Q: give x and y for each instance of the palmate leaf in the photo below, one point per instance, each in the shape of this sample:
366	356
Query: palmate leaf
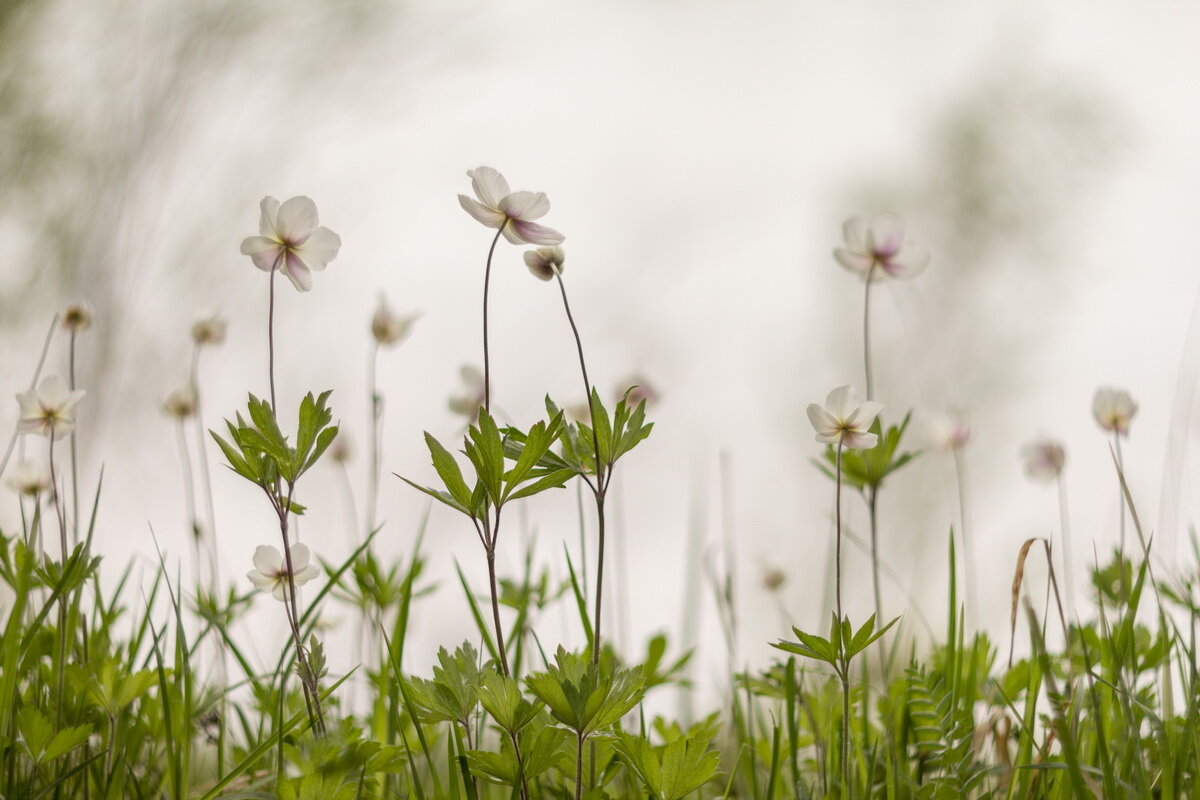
583	696
259	452
674	770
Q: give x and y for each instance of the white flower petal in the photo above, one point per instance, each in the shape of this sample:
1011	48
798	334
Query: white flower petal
841	402
307	574
321	248
301	555
525	205
61	428
489	186
53	392
854	233
30	408
488	216
263	251
267	559
821	421
280	591
909	262
269	210
856	262
886	235
260	581
532	232
867	413
297	220
297	272
859	441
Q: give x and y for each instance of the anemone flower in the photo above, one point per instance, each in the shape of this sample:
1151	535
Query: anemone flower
49	410
512	212
270	572
843	421
291	240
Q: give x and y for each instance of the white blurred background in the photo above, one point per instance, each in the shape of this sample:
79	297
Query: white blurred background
700	158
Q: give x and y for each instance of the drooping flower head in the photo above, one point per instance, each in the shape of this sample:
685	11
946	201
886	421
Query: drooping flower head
1113	409
29	478
512	212
948	431
471	399
49	410
388	327
291	240
545	262
843	421
270	570
77	317
341	451
1043	460
180	403
209	330
877	248
639	389
773	579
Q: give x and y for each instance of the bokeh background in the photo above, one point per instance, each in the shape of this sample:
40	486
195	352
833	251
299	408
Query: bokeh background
700	158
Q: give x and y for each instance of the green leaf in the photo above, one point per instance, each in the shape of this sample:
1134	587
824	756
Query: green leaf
448	470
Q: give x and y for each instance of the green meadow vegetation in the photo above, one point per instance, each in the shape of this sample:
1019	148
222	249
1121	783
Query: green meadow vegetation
111	688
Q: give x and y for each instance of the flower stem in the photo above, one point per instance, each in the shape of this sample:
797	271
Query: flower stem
58	509
960	477
1067	560
600	488
375	420
74	451
867	334
309	679
491	561
1121	497
843	665
487	362
271	335
189	498
205	476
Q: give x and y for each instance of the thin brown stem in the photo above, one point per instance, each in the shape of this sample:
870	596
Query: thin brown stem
491	561
843	662
487	361
867	334
374	435
271	334
205	476
74	449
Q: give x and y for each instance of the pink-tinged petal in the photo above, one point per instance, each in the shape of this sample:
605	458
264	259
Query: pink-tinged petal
531	232
488	216
263	251
525	205
886	235
856	262
854	233
297	220
321	248
297	272
909	262
860	441
829	438
841	401
267	559
489	186
30	425
269	211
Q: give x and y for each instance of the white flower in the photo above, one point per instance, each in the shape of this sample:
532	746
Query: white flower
77	318
878	245
545	262
467	404
843	421
270	572
50	409
181	402
208	329
30	478
1113	409
388	327
291	240
513	212
1044	459
948	432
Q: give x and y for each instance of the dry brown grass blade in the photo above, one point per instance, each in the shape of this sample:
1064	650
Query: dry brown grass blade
1019	578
